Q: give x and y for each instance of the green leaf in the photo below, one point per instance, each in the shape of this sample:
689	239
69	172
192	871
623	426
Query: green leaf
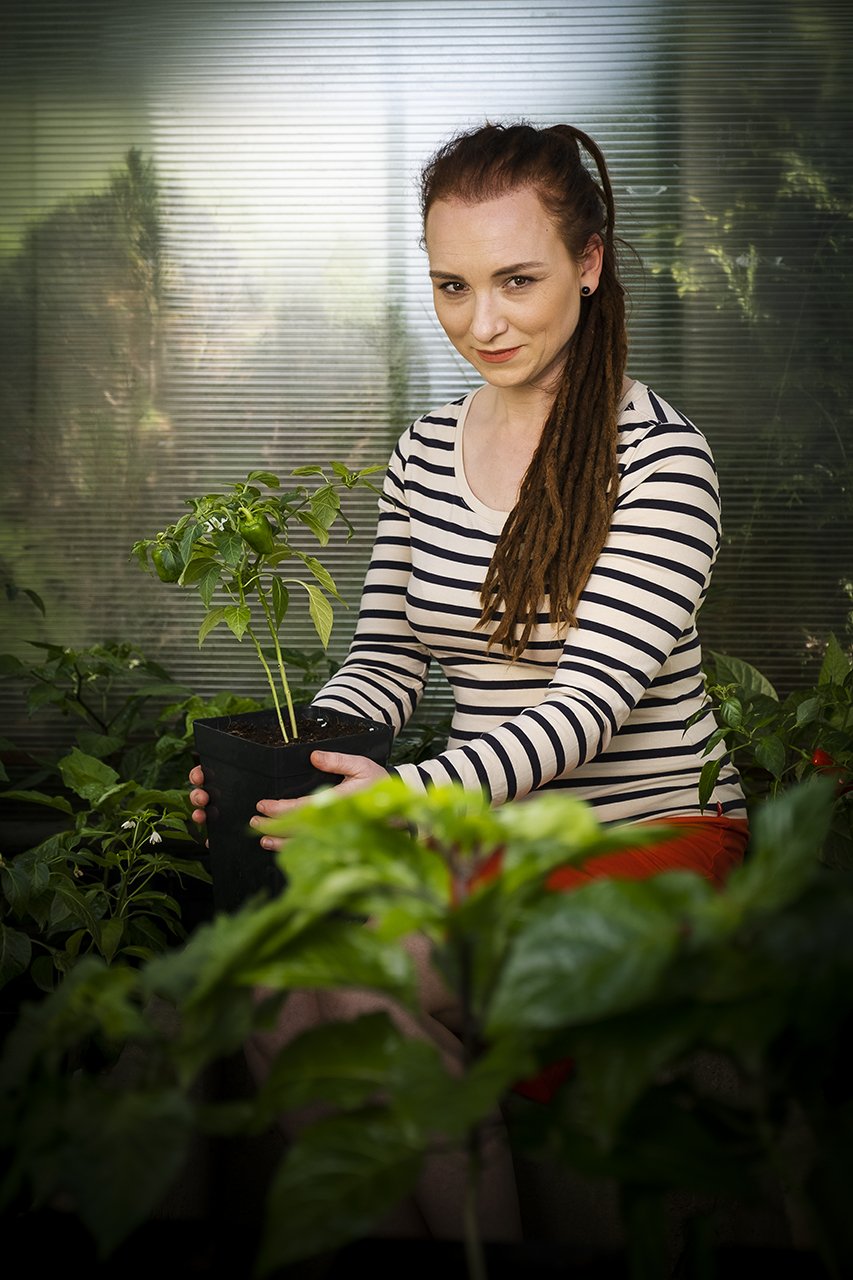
667	1144
213	619
43	973
72	907
708	780
280	600
321	573
334	1184
88	777
15	953
336	954
770	754
44	695
22	878
207	584
719	735
317	528
808	710
609	1081
122	1152
109	937
731	712
11	666
785	838
230	546
238	618
835	666
74	942
39	797
99	745
321	613
269	478
736	671
339	1063
587	955
325	505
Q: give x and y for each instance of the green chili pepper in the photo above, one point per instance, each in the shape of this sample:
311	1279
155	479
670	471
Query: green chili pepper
257	531
167	562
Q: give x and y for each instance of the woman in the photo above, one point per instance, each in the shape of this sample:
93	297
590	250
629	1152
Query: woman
548	538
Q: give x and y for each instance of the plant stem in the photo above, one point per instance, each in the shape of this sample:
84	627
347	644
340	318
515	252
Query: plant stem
278	656
474	1257
270	681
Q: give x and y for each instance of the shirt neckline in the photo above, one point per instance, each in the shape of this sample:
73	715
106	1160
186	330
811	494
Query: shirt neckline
493	515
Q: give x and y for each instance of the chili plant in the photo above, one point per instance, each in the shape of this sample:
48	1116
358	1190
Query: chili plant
102	885
236	549
777	742
630	978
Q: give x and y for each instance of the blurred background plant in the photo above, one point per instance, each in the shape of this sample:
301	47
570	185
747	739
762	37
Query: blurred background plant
758	256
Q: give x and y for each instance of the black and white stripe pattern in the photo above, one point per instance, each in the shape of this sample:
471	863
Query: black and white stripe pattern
600	713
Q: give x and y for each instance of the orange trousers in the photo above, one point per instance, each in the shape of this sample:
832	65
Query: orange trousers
710	846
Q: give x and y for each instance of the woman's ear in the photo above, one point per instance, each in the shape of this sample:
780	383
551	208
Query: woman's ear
591	262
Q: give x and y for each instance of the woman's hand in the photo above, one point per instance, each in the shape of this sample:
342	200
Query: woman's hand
358	772
199	798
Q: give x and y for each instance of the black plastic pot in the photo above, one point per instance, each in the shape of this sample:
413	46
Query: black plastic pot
239	772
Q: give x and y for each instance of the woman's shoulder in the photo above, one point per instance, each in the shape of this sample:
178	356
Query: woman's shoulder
648	421
445	417
436	429
643	407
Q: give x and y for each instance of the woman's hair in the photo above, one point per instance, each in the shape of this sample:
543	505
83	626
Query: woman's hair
556	531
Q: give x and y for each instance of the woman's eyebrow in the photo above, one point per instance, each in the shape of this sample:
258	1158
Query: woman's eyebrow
516	269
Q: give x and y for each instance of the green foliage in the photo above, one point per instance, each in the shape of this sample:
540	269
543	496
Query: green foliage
231	549
111	693
103	880
760	258
630	979
110	878
102	886
776	742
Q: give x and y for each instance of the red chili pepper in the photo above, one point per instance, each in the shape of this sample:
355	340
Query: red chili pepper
824	763
461	886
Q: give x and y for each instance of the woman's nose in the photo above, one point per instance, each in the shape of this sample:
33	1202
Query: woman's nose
487	321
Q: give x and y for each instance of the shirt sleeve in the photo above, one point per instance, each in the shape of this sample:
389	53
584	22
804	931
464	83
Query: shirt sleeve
385	672
637	609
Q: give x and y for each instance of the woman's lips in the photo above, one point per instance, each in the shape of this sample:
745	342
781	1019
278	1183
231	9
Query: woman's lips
498	357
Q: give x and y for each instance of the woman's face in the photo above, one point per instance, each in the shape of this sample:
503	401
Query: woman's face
506	289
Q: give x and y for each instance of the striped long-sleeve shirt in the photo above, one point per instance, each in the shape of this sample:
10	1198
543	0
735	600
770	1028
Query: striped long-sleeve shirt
600	711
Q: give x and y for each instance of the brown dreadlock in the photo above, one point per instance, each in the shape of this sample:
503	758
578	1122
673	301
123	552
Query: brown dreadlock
553	536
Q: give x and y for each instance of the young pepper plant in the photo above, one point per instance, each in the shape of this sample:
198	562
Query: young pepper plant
236	549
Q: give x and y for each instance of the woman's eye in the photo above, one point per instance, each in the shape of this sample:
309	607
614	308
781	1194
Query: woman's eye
452	287
518	282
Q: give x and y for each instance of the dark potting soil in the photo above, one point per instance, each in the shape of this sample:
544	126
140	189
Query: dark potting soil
317	727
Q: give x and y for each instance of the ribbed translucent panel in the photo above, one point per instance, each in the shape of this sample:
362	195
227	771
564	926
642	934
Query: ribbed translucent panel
211	263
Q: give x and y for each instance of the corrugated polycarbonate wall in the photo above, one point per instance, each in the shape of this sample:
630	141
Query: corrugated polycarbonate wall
211	263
